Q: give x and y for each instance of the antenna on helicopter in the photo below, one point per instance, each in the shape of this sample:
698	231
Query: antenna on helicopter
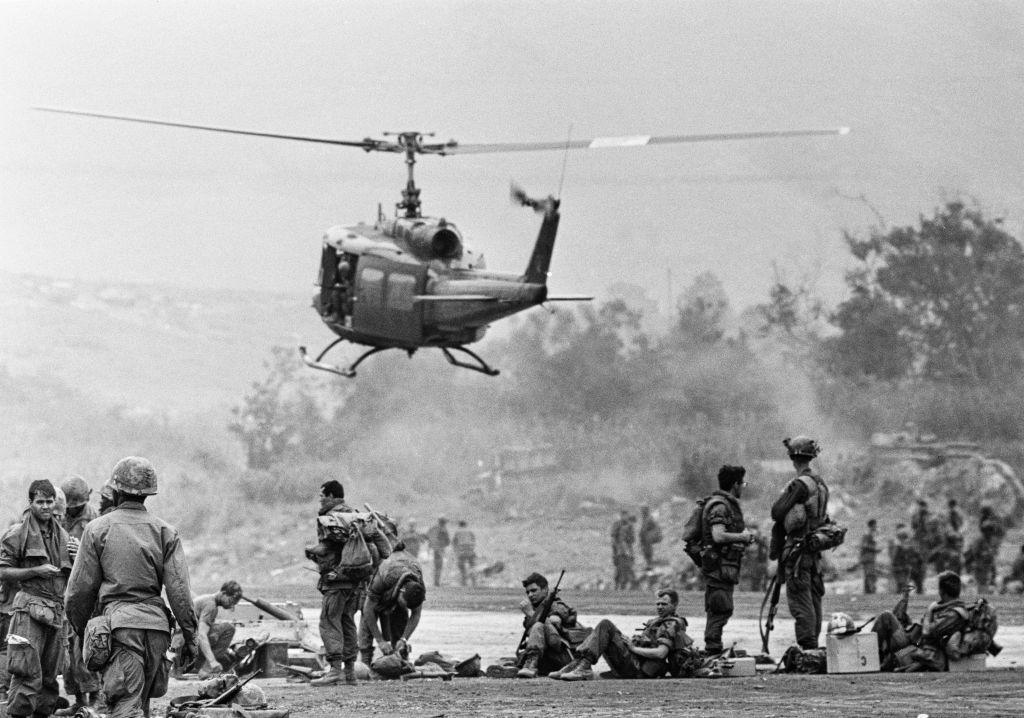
565	160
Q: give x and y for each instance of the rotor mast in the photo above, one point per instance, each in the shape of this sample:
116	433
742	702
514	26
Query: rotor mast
411	144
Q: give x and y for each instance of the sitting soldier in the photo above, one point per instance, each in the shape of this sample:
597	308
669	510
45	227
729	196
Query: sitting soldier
650	654
906	646
551	632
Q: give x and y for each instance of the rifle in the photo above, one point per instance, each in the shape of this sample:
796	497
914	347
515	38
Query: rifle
380	525
771	595
544	610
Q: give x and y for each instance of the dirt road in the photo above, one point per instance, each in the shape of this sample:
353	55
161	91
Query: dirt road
989	694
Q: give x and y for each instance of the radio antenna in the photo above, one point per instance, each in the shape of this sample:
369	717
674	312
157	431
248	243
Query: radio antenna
565	160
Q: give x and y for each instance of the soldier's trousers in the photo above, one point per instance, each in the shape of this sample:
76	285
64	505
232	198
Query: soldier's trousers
438	566
78	680
392	624
545	642
33	666
804	589
338	624
466	565
870	578
137	671
607	640
892	637
718	607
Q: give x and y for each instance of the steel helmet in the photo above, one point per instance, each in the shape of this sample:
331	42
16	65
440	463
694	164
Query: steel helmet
134	475
251	696
60	503
802	446
841	625
76	491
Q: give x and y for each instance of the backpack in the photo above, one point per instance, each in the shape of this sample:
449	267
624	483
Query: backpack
693	529
828	535
979	633
683	658
356	561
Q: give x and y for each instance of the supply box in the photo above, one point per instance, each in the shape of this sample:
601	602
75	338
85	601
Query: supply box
852	654
735	667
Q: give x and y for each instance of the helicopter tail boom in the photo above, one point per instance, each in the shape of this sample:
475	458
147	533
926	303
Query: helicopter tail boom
540	260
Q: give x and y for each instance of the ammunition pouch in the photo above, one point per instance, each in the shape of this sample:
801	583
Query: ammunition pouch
97	643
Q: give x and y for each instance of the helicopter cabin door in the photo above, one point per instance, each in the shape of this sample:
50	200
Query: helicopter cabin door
386	305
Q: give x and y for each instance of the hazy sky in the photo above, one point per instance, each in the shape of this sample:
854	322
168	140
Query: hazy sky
933	92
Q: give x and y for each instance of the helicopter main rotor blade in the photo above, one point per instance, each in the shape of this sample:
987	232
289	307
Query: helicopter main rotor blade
628	141
365	144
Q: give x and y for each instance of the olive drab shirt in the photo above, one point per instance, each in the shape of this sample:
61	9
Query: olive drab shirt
722	508
661	632
75	525
27	544
127	557
393	571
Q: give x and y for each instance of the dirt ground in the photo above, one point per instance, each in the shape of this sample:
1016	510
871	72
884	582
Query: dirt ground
992	693
995	692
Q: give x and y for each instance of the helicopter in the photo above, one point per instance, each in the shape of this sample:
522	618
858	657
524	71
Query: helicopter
409	281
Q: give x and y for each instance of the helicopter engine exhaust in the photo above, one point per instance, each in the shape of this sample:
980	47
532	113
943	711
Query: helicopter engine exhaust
429	240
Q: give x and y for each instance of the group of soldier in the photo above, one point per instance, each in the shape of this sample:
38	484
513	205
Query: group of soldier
624	535
936	541
437	540
82	597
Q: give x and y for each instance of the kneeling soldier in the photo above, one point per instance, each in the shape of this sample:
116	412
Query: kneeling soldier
649	654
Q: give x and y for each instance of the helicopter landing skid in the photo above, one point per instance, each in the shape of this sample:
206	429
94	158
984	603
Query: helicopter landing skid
348	372
480	366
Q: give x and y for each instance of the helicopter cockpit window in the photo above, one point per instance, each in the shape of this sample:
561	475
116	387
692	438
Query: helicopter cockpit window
401	290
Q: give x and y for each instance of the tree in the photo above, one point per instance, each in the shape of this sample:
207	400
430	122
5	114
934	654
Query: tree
702	311
950	292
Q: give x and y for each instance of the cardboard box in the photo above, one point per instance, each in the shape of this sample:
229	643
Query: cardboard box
736	667
852	654
967	664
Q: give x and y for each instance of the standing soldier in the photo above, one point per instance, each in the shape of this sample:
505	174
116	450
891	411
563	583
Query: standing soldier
341	589
650	534
464	546
723	540
954	517
617	527
79	681
413	540
802	507
128	556
438	540
904	560
37	553
754	570
868	552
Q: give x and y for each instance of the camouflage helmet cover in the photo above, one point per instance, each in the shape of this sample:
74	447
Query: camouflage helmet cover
841	625
802	446
76	491
107	492
134	475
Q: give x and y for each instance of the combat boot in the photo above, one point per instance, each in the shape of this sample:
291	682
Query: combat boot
582	672
529	669
350	673
332	677
557	675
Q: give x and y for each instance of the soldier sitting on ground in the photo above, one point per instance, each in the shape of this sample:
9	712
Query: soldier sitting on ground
214	637
659	648
548	643
906	646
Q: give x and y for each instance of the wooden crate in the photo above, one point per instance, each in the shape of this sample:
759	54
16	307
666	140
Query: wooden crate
852	654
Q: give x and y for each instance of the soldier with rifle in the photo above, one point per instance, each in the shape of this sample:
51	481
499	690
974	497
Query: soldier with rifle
550	630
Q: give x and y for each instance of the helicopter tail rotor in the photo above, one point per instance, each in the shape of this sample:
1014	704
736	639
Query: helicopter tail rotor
543	206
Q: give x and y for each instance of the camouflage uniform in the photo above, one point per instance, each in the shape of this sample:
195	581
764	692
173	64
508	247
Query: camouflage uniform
720	564
650	534
799	566
342	596
37	615
607	641
127	557
941	620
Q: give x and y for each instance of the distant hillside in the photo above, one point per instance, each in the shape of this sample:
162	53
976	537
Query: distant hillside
143	347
